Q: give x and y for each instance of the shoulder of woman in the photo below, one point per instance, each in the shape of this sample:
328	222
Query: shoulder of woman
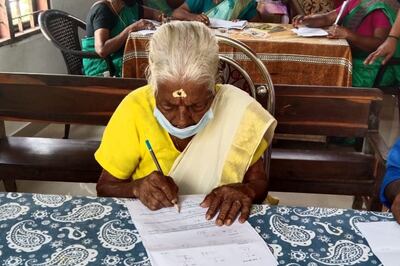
101	7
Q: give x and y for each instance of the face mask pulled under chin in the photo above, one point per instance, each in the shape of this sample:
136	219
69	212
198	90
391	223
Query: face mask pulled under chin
183	133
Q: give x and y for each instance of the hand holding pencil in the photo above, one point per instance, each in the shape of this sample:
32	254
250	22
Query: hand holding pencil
156	190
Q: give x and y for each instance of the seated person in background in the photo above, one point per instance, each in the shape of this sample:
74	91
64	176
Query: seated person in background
183	113
390	189
108	25
366	24
389	47
202	10
165	6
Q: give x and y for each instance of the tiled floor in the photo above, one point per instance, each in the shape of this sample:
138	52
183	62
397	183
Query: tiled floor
389	129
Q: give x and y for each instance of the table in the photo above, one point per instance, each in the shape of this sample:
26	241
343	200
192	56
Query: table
61	230
290	59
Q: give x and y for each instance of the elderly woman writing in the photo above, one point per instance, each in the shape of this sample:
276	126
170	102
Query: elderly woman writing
209	138
109	23
366	24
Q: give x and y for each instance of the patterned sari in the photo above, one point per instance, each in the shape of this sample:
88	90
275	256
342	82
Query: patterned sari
364	75
316	6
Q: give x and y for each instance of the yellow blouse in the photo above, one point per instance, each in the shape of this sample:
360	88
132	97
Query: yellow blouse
123	151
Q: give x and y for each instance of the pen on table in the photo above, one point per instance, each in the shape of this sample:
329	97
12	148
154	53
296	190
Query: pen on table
341	12
153	156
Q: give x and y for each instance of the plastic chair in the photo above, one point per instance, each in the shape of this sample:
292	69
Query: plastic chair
62	30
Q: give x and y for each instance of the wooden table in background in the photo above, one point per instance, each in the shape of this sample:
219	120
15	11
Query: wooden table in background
289	59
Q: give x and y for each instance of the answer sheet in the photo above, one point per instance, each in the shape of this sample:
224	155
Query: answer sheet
310	32
187	238
384	240
220	23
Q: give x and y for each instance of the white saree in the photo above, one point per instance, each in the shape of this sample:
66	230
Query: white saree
222	152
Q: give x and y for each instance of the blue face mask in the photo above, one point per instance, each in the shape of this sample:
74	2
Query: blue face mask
183	133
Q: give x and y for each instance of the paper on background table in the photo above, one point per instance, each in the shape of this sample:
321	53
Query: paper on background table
220	23
144	32
384	240
187	238
310	32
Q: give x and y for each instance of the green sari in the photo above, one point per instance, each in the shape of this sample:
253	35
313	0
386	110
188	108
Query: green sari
226	9
98	66
161	5
364	75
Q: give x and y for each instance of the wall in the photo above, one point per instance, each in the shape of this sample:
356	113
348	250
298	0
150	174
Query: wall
36	54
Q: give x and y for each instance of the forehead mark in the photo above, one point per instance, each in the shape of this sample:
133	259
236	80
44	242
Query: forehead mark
179	94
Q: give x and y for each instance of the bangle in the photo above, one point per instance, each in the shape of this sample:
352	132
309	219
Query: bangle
395	37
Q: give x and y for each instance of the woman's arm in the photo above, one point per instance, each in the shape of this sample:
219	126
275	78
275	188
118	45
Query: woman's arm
153	14
155	190
183	13
392	192
388	48
364	43
315	21
234	199
104	45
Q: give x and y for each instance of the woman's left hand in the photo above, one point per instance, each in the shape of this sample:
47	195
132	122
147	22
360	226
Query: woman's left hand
230	201
338	32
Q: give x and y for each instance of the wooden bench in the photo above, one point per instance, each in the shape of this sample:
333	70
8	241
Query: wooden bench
55	99
327	111
316	168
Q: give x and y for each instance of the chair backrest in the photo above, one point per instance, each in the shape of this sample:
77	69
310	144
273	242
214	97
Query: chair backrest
61	29
232	73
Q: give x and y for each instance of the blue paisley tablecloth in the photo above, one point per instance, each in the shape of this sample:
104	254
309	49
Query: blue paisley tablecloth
61	230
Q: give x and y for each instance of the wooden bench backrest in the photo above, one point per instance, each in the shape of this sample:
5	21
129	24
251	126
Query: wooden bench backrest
328	111
62	98
313	110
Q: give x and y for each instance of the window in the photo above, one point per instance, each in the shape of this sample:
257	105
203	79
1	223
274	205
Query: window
19	18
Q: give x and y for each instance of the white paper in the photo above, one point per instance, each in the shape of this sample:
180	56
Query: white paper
144	32
187	238
384	240
310	32
220	23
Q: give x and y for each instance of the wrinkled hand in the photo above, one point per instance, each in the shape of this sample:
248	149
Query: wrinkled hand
396	208
385	50
229	201
156	191
300	20
201	18
142	24
338	32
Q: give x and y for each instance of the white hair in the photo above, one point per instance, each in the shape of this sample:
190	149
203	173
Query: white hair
182	50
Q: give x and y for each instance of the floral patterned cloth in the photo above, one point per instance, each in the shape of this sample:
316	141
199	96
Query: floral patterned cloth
63	230
316	6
